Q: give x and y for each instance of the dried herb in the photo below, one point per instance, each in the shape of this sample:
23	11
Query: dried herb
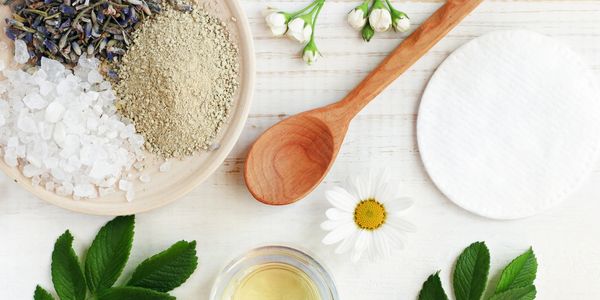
64	30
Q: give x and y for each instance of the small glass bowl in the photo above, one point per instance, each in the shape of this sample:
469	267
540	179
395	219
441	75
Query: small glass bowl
239	268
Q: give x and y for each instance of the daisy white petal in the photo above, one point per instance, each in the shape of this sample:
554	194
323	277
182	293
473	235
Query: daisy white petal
401	224
338	234
346	244
356	255
363	240
362	187
340	198
399	204
331	225
386	193
381	178
381	244
337	215
393	236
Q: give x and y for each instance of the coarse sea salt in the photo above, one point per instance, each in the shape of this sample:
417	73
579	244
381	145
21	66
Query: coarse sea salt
61	128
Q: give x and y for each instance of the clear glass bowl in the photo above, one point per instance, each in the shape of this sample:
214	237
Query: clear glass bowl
240	267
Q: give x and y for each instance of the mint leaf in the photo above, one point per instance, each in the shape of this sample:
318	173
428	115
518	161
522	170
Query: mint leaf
41	294
168	269
471	272
519	273
137	293
432	289
66	273
108	253
522	293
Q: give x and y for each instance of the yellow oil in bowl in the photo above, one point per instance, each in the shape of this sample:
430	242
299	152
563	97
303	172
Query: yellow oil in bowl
274	273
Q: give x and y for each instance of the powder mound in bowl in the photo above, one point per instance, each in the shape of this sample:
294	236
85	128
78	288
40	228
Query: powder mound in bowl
178	80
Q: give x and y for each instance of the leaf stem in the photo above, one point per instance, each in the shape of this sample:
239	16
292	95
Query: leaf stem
314	19
293	15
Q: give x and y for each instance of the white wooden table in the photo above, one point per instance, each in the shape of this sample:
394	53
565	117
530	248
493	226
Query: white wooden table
226	221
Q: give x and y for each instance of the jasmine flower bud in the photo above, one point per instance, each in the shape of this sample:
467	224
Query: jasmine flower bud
310	53
300	30
380	17
277	22
402	22
357	18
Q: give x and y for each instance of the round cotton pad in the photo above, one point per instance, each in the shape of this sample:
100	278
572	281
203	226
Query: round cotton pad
509	124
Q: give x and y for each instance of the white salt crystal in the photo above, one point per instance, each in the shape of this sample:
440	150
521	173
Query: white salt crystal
21	52
59	135
2	65
124	185
101	169
46	130
10	158
71	146
2	120
51	162
26	123
13	142
35	101
130	195
40	76
36	180
85	190
105	191
50	186
31	170
145	178
52	68
46	87
165	167
94	77
138	165
54	112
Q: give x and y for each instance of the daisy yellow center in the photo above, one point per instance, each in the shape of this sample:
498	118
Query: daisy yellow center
369	214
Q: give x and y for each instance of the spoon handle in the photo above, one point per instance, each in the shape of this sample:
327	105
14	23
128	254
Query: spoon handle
405	55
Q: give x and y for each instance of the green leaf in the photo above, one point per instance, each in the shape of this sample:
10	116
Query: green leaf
129	292
471	272
367	32
109	253
66	273
521	293
432	289
519	273
41	294
168	269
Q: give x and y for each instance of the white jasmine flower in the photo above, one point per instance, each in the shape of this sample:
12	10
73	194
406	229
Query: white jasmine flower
400	20
277	22
299	30
366	217
357	18
310	53
380	19
402	23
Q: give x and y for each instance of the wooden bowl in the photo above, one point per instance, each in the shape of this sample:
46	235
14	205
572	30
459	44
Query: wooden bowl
185	174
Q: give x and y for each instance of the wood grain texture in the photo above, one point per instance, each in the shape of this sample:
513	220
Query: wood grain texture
291	158
227	221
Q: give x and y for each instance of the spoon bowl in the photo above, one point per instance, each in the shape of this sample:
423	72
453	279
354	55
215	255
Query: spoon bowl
291	158
296	154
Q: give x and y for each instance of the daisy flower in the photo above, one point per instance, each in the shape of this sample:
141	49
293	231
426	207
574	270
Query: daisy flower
366	217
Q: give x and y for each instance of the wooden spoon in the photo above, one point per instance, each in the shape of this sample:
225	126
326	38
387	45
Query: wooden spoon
291	158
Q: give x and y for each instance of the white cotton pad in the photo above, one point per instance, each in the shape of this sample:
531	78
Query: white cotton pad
509	124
